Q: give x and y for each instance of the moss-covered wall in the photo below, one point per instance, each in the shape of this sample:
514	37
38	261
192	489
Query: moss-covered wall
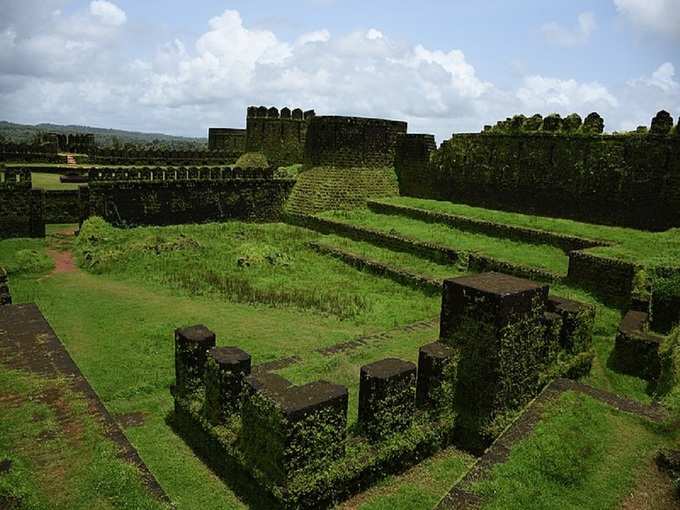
30	153
279	135
227	139
163	157
631	180
62	206
21	208
170	203
352	142
324	188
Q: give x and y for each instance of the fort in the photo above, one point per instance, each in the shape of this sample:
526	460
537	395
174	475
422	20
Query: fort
365	303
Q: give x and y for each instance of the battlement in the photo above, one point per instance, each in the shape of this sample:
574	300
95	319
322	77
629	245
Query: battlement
279	135
15	178
263	112
352	141
162	174
164	157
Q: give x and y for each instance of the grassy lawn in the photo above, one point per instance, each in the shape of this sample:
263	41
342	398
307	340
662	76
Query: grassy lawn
50	182
583	454
531	255
60	457
629	244
259	287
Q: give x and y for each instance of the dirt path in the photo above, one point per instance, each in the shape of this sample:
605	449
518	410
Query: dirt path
60	251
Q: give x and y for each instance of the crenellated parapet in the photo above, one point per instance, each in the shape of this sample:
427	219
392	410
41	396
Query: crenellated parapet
278	134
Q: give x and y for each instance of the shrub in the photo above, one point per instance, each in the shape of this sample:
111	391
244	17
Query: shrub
252	160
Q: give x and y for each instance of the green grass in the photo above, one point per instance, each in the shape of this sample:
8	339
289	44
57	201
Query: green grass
51	182
388	257
583	454
258	264
539	256
118	317
58	464
629	244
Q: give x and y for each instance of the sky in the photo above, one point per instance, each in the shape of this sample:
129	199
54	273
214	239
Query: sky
445	67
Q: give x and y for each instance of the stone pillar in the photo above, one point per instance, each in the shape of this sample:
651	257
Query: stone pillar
433	361
225	372
497	322
291	429
386	397
578	319
5	296
191	349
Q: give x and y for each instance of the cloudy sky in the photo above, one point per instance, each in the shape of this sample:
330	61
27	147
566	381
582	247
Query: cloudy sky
445	66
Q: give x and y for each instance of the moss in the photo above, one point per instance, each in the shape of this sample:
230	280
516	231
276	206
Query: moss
252	160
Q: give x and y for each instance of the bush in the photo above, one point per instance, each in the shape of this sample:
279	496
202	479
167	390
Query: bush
31	262
252	160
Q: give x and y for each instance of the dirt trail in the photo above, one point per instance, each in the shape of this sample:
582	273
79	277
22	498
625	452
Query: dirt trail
64	261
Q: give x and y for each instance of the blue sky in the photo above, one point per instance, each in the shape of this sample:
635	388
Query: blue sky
444	66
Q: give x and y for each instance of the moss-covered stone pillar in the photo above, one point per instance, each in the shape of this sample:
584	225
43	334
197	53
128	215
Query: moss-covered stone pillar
387	390
225	371
436	375
497	322
191	349
289	430
576	333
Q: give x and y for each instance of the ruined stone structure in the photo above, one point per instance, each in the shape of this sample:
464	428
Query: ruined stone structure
279	135
72	142
502	339
556	169
509	334
174	195
227	139
22	209
348	160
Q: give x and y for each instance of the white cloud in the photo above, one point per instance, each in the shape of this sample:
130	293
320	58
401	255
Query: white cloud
564	96
659	16
662	78
557	34
314	37
72	69
107	13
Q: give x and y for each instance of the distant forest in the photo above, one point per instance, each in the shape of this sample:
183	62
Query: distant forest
25	133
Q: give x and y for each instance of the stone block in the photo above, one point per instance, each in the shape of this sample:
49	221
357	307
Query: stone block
191	350
495	299
636	351
434	365
386	397
225	372
578	320
551	345
293	429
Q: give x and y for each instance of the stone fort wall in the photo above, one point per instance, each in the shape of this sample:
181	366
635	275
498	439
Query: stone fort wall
22	209
170	196
630	180
227	139
279	135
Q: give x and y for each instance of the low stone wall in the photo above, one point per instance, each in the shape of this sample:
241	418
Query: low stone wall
611	278
524	234
636	351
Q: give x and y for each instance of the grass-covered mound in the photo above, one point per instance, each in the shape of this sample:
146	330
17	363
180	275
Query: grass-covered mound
268	264
324	188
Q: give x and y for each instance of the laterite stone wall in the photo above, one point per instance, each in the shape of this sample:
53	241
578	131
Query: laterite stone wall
21	208
279	135
62	206
630	180
227	139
